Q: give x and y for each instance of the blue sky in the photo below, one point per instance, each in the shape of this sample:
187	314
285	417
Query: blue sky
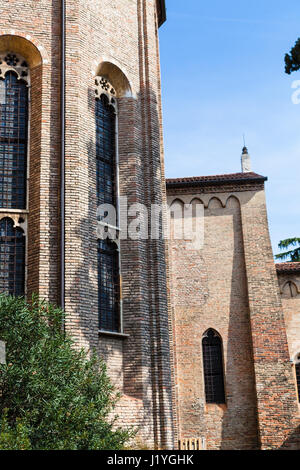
222	76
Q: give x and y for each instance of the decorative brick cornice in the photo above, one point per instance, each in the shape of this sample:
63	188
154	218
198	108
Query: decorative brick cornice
288	268
217	183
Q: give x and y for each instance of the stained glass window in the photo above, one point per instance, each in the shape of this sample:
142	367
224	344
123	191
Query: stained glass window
108	254
108	286
105	151
13	141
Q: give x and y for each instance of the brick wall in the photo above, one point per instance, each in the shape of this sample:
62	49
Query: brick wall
275	385
230	285
289	286
124	34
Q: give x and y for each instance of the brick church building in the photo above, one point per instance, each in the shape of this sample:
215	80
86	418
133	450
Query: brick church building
203	343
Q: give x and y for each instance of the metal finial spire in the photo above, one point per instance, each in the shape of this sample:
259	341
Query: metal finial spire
246	159
245	150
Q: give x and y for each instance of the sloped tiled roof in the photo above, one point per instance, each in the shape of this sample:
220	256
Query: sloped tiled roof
216	180
285	268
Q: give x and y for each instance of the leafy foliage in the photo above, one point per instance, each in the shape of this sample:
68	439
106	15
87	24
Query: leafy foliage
290	255
52	395
13	438
292	60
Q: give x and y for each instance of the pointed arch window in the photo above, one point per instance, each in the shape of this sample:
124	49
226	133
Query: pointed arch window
13	133
14	125
212	349
12	258
105	151
290	289
109	303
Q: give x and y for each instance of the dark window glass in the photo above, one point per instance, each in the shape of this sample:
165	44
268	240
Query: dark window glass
213	368
12	258
13	141
108	286
298	379
105	151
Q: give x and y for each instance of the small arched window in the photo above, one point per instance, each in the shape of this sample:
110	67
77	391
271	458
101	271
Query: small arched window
213	367
13	137
12	258
107	193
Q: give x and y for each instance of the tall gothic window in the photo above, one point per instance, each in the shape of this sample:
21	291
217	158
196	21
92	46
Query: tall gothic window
14	102
13	141
107	193
213	367
12	258
105	151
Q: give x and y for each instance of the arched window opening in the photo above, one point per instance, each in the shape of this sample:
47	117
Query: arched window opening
105	151
290	290
12	258
213	367
13	131
109	304
108	286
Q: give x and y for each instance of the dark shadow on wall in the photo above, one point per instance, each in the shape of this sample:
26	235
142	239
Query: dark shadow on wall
143	370
239	426
54	164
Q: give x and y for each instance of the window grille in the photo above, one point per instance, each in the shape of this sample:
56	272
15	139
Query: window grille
109	290
13	141
12	258
213	368
108	286
105	151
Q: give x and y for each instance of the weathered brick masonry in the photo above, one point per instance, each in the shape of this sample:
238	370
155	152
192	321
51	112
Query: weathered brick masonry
171	294
231	286
289	286
119	40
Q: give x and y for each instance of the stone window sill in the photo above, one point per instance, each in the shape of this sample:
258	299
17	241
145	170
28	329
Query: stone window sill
113	334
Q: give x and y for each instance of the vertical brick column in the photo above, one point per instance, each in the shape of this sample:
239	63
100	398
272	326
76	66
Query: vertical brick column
153	174
275	387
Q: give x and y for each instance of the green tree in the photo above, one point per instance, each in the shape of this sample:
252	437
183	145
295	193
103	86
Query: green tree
292	60
289	255
13	437
52	396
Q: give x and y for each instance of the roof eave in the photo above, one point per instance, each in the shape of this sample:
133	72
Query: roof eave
217	182
162	13
288	268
